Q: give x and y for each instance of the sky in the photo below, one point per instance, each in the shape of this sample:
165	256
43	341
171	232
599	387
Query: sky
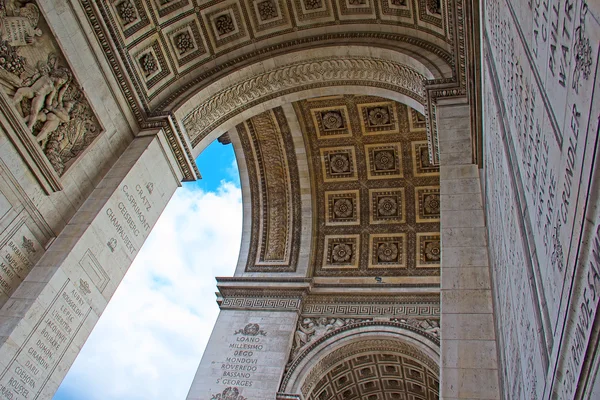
150	339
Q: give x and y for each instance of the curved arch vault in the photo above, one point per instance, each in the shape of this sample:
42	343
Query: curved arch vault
383	256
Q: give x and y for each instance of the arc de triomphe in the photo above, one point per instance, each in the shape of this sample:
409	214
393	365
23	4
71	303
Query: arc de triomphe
419	182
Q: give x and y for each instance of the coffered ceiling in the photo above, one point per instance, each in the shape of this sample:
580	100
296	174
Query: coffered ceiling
379	376
375	195
169	47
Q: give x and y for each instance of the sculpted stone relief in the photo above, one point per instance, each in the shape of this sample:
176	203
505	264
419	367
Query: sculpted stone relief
35	74
310	329
378	198
274	184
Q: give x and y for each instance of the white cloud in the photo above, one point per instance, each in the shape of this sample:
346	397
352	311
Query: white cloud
149	341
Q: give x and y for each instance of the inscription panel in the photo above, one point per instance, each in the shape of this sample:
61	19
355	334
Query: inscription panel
549	139
52	329
540	139
31	367
245	355
520	334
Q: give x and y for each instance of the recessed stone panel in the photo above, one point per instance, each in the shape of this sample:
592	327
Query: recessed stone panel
331	122
428	250
384	161
422	166
397	9
341	251
338	163
387	206
309	12
186	43
356	9
378	118
416	121
427	203
387	250
268	16
343	207
130	16
225	24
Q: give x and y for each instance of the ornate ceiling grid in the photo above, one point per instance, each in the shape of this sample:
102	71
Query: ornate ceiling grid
376	196
163	40
379	376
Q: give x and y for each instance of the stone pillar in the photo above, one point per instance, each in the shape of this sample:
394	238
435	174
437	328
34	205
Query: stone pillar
48	318
469	362
251	340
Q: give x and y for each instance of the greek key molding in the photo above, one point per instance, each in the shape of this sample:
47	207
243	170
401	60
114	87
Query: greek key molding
411	306
299	76
261	303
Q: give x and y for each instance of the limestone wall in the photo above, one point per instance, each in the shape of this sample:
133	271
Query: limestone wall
541	113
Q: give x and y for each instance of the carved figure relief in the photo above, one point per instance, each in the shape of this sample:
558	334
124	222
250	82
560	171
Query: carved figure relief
430	326
311	329
44	92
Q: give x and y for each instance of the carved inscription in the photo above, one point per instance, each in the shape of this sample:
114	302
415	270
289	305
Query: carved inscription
546	119
34	363
17	256
130	217
242	359
582	311
515	297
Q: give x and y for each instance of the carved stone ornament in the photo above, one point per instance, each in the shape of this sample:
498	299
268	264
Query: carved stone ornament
387	252
251	330
231	393
384	160
434	6
339	163
387	206
311	329
224	24
312	4
127	12
34	73
351	70
332	120
582	50
430	326
343	208
267	10
184	42
28	245
379	116
148	64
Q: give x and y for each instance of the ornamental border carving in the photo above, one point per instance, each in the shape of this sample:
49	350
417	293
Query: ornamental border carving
253	150
362	71
261	303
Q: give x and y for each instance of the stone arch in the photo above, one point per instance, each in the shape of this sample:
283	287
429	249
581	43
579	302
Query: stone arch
226	102
305	371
